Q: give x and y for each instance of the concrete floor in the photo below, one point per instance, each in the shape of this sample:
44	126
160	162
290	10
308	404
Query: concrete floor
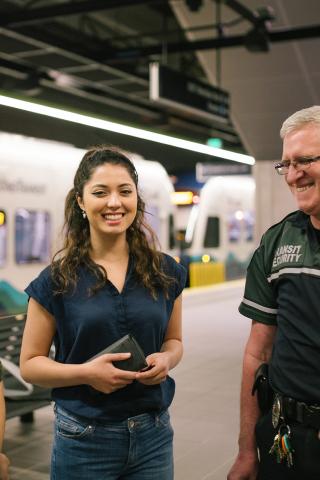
206	406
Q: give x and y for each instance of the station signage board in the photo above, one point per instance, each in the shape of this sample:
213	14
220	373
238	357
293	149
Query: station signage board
186	94
206	170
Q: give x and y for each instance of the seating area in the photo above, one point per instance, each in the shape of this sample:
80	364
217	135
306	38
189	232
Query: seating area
21	397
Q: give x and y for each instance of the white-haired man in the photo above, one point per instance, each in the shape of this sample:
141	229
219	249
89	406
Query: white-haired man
282	297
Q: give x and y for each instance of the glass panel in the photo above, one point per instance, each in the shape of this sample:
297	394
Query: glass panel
32	234
3	237
212	236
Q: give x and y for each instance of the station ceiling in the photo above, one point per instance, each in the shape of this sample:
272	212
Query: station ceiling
93	56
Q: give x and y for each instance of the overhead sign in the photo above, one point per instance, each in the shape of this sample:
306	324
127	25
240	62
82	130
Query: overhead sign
206	170
180	92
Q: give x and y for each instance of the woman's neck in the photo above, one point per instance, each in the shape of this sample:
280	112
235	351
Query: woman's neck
111	250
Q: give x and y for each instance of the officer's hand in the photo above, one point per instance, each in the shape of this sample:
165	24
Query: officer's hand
245	467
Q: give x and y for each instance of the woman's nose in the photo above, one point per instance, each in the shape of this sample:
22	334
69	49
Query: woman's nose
114	200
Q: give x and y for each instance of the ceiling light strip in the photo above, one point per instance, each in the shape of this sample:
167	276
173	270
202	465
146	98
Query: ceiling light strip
124	129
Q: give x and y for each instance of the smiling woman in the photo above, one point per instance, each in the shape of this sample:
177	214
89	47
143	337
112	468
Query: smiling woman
108	280
109	200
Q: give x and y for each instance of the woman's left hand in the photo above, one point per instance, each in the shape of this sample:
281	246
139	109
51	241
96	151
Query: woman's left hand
158	370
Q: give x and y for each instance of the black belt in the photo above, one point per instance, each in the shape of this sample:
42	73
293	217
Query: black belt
300	412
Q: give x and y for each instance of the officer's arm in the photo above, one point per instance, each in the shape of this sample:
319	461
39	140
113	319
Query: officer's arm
258	350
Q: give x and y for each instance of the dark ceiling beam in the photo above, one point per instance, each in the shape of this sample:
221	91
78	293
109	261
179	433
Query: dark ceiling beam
36	15
33	76
294	33
274	36
242	10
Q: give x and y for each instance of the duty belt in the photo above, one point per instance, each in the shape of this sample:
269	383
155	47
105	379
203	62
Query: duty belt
300	412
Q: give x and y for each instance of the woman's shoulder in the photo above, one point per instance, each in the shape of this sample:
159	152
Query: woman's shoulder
44	275
171	266
168	260
42	280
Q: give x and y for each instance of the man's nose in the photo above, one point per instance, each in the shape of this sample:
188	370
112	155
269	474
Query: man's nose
293	173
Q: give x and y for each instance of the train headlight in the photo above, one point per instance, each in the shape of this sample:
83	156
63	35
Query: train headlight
206	258
2	218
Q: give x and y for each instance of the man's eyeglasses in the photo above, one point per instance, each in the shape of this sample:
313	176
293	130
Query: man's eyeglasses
301	164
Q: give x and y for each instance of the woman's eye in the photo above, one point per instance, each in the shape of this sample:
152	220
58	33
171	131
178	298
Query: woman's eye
126	192
99	193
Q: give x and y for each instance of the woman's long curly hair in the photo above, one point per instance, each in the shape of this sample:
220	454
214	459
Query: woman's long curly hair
76	247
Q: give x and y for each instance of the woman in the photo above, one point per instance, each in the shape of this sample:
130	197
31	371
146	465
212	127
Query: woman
107	281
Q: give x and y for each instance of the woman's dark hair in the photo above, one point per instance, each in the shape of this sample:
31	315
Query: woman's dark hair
75	251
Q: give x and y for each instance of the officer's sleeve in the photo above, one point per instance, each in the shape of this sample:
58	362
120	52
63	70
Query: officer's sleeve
259	302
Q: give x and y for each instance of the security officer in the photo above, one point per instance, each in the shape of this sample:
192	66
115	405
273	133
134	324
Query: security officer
282	297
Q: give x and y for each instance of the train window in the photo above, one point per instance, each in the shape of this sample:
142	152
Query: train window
172	240
3	237
212	235
249	225
234	227
32	235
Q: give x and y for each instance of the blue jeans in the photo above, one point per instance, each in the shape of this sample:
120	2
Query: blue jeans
138	448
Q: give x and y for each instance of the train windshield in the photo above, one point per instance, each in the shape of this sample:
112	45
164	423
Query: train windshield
152	218
32	236
192	224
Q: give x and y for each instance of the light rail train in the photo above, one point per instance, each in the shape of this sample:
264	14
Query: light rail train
35	176
219	238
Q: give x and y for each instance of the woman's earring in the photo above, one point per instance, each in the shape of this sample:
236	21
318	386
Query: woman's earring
84	214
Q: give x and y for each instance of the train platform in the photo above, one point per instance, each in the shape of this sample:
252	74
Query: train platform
205	412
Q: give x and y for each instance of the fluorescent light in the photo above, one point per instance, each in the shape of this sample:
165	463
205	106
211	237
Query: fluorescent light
124	129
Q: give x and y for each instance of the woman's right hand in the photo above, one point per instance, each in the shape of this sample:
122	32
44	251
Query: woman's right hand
104	376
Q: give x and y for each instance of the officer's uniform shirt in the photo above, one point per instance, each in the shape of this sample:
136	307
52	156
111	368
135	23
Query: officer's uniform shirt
283	289
86	324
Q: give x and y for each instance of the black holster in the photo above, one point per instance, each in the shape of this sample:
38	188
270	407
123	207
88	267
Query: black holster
261	386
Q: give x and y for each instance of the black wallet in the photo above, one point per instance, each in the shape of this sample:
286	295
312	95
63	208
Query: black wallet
128	343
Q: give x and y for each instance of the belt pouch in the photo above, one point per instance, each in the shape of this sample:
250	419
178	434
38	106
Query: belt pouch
262	387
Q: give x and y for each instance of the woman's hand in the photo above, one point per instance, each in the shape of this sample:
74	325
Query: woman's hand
104	376
159	364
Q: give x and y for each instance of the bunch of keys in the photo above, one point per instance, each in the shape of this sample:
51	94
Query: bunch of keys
282	447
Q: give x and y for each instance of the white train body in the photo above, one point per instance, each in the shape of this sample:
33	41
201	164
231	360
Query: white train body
35	176
221	226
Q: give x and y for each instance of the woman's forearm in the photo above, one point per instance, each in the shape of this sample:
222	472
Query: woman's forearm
45	372
174	348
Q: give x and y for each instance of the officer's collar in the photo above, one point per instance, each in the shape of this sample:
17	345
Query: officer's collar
301	220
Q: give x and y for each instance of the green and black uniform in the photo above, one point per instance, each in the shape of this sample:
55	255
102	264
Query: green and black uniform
283	289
